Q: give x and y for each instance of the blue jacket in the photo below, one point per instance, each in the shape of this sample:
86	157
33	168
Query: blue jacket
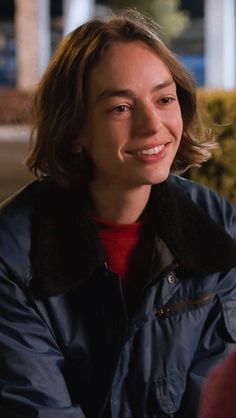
69	348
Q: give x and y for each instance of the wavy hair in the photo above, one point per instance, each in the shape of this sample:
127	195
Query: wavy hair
59	109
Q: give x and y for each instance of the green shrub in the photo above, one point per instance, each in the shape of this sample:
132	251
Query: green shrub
218	109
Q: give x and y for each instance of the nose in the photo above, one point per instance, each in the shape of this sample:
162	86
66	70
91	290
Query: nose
147	120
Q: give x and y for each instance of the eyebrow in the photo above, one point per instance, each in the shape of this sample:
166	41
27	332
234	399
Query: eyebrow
108	93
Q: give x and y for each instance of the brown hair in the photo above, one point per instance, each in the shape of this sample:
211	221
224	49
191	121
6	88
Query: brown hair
60	99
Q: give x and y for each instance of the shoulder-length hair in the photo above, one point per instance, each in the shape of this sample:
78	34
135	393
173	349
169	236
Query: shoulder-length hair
59	109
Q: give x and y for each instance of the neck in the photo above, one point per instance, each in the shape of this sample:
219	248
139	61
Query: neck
114	205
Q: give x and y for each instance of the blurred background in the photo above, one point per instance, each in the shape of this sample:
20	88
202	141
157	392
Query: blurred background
200	32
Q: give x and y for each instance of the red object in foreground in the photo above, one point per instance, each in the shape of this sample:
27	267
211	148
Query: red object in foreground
219	394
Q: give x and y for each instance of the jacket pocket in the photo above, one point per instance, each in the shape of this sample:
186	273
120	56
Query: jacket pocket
167	393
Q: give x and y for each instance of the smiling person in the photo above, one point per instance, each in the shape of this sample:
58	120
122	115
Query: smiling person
117	276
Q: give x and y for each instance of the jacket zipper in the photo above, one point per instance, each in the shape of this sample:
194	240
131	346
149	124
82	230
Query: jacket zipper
167	310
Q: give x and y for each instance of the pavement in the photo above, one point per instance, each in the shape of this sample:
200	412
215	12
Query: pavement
14	143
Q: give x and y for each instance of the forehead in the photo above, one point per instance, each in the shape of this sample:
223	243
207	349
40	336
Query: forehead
125	65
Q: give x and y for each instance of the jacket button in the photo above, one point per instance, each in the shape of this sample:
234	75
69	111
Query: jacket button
171	279
161	312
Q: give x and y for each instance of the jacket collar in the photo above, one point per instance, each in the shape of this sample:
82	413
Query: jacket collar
198	243
66	249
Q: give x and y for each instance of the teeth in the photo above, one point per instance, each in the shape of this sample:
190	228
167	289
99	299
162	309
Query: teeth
149	151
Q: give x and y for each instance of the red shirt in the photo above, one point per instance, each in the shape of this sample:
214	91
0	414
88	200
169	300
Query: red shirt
128	251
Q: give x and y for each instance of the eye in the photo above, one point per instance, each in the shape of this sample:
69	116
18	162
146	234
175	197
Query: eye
121	108
167	100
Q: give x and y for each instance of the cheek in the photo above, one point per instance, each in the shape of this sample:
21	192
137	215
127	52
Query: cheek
177	126
97	147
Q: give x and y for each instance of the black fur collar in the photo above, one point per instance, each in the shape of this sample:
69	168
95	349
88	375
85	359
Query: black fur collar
198	243
66	248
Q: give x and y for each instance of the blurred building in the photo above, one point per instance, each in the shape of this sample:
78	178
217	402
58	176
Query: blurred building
209	38
190	44
207	47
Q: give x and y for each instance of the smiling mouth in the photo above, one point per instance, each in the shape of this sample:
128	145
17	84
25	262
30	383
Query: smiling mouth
148	151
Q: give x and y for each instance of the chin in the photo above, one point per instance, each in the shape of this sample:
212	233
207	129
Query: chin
160	177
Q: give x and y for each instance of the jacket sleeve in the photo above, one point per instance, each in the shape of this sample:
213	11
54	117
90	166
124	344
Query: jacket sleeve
217	340
218	336
31	363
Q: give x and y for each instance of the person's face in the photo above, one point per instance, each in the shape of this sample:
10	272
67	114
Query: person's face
134	124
